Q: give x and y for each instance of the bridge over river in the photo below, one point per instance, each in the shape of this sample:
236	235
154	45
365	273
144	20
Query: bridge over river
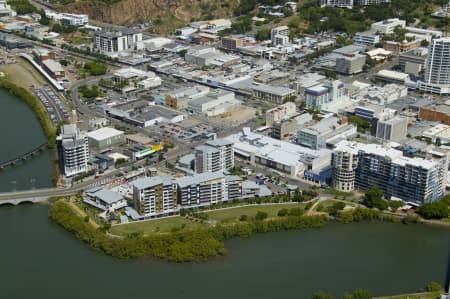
40	195
35	151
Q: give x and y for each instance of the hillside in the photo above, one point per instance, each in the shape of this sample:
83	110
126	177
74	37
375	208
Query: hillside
165	15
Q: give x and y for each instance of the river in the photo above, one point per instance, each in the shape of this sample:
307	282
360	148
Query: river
21	132
40	260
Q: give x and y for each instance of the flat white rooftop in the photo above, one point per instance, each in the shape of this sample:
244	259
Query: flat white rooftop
279	151
394	155
104	133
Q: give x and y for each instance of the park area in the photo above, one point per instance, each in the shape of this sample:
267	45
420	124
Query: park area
233	214
226	215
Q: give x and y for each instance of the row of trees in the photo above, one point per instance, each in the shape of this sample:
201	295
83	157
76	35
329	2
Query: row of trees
357	294
373	198
365	294
35	105
435	210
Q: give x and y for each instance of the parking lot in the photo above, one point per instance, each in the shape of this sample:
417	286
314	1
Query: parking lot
54	106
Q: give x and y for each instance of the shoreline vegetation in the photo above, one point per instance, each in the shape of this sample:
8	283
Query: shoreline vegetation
33	102
44	120
197	244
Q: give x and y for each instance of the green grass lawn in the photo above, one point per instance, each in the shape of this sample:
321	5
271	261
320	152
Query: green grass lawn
231	215
163	225
413	296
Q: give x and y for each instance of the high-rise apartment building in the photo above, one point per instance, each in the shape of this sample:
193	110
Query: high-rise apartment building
73	151
110	42
344	164
154	196
215	155
437	67
415	180
208	188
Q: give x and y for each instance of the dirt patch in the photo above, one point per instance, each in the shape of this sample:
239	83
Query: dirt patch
22	74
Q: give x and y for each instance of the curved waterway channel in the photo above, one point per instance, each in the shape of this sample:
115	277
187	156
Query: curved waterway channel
40	260
21	132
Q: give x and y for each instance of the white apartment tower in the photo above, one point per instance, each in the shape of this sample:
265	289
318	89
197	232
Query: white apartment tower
110	42
437	68
215	155
73	151
344	164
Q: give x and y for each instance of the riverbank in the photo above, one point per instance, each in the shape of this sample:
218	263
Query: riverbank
198	242
424	295
33	102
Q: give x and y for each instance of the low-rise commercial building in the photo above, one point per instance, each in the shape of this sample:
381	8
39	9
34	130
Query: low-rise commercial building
180	98
232	42
105	137
205	56
387	26
280	155
367	38
400	47
284	111
284	129
251	189
273	94
211	26
392	77
143	116
350	64
439	132
325	131
380	95
53	68
105	199
307	80
131	78
393	129
413	61
68	18
436	112
215	103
